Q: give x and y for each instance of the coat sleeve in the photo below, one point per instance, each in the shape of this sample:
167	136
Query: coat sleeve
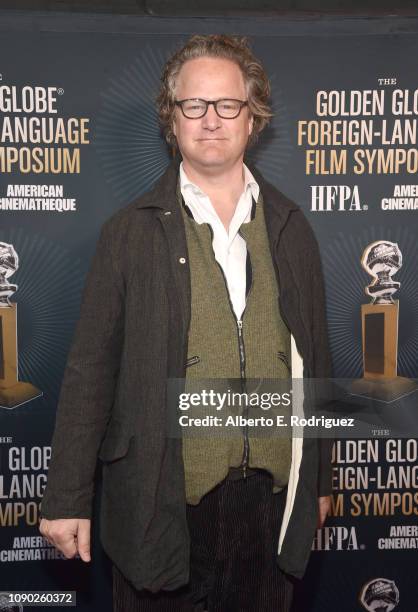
88	388
321	361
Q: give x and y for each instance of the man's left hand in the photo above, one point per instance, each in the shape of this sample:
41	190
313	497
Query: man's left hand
324	505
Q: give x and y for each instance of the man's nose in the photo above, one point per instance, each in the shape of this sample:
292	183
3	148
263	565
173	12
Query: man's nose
211	120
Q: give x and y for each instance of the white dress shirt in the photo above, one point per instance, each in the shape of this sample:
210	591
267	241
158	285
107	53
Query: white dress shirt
229	247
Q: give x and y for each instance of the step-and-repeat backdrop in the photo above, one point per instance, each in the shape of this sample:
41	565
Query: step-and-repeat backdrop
80	139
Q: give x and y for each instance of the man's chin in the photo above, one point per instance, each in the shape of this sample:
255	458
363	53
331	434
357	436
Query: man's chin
213	158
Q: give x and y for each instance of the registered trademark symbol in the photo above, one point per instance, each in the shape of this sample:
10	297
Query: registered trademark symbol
362	547
365	207
60	91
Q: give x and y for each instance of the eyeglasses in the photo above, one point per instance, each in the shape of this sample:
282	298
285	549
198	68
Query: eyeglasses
196	108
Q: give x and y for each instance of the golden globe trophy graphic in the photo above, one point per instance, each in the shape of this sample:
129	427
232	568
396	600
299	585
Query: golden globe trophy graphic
379	322
12	391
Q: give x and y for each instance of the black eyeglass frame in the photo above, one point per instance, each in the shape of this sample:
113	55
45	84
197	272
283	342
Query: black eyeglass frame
215	106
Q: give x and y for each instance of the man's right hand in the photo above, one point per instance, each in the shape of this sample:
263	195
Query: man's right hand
70	536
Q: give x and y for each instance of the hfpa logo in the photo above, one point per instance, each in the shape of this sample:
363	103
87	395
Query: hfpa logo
336	538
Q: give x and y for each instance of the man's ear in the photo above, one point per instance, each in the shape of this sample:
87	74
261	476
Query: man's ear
250	125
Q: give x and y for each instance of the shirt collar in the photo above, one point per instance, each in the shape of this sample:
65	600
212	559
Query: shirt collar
249	183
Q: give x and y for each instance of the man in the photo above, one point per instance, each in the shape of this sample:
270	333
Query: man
185	284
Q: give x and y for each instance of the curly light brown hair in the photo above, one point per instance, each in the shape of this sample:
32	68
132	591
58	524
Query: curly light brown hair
234	48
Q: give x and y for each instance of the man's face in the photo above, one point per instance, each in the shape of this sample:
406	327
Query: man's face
211	142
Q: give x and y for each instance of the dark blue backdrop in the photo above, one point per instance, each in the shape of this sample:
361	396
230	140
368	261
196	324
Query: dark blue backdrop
108	68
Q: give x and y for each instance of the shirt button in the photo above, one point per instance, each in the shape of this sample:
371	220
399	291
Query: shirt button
182	260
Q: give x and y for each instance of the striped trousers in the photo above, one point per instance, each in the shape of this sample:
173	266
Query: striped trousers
234	534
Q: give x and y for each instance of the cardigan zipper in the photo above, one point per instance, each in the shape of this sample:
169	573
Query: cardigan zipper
241	352
246	453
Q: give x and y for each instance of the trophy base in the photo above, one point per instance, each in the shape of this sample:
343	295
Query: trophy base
21	392
384	390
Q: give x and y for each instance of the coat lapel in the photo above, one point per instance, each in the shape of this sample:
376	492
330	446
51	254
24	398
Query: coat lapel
163	197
